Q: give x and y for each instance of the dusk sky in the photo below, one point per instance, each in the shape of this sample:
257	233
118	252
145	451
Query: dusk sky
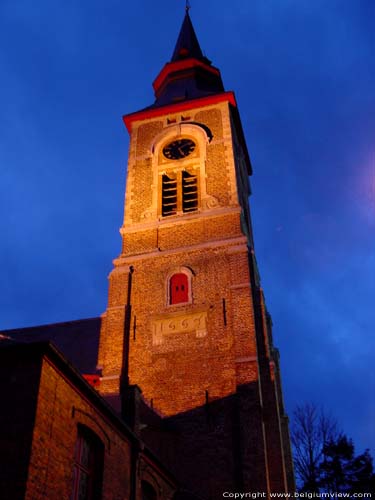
303	72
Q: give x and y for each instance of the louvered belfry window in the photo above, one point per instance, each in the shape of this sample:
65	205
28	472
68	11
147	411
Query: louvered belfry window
179	193
169	195
189	192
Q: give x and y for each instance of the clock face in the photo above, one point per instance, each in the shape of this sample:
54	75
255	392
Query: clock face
178	149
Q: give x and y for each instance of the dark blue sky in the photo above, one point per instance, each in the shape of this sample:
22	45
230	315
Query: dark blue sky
304	75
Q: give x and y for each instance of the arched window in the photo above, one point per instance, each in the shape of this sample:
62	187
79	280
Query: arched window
179	288
88	466
148	491
179	178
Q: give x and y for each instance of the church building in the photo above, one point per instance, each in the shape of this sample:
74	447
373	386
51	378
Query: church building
185	380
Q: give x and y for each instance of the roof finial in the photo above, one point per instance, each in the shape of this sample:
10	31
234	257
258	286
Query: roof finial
187	6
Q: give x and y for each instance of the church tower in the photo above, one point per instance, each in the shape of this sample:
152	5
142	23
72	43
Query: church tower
186	319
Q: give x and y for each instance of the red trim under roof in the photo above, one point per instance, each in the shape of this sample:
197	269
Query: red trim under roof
179	106
179	66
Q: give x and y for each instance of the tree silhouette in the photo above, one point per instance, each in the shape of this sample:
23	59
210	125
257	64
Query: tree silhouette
324	459
311	429
342	471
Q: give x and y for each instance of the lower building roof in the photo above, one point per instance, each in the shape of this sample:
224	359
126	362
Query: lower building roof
78	340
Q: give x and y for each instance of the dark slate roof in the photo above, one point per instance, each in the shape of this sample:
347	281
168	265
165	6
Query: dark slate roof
187	44
77	340
189	75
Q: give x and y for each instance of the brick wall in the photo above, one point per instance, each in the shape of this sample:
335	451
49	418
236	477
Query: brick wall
44	402
60	409
224	361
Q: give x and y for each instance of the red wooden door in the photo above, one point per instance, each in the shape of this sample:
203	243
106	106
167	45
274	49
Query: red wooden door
179	288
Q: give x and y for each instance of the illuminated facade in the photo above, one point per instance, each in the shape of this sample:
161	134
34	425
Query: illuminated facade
199	341
184	351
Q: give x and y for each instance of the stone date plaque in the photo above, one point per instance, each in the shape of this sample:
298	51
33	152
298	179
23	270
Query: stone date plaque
178	325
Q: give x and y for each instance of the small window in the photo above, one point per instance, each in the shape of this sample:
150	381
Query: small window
179	288
88	466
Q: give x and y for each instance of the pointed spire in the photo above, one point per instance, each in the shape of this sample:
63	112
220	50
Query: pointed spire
187	43
189	74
